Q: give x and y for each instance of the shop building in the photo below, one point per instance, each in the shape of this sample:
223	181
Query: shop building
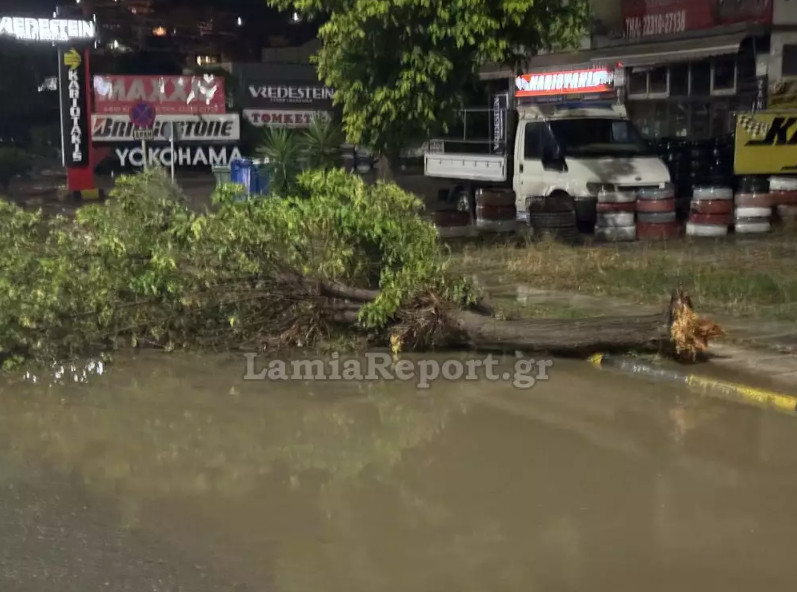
686	66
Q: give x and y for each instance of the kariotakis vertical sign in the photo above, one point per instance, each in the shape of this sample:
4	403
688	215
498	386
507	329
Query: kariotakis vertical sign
72	84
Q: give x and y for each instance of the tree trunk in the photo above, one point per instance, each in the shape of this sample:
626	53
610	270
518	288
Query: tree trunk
563	336
677	331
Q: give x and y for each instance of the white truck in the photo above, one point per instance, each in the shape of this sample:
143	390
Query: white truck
555	150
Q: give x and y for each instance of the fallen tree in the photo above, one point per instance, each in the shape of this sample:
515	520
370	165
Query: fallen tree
339	259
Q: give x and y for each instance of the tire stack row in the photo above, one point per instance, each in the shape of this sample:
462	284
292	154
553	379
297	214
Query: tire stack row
784	197
496	211
554	217
656	217
675	154
711	211
454	224
696	164
615	220
753	211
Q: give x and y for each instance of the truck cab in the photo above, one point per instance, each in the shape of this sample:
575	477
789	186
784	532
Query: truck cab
581	152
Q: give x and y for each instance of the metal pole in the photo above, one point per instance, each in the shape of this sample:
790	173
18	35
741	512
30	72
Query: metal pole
144	152
173	154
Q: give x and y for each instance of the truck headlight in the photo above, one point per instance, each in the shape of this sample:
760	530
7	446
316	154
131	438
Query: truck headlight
596	188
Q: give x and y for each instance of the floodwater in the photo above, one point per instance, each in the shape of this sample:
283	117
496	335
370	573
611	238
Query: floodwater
173	473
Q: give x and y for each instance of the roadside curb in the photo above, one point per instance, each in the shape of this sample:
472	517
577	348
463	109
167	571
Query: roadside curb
720	389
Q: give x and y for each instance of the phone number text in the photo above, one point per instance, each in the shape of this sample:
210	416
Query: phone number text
656	24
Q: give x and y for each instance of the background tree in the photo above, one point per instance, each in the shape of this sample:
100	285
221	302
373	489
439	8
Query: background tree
399	68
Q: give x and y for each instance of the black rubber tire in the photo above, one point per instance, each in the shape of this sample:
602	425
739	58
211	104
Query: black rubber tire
549	220
558	202
753	184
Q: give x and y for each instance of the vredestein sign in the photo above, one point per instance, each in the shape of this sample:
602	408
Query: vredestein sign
74	107
49	30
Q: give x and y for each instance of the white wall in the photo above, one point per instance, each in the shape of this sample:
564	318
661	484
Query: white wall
776	52
784	12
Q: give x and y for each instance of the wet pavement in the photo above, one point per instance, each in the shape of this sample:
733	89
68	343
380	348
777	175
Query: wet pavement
173	473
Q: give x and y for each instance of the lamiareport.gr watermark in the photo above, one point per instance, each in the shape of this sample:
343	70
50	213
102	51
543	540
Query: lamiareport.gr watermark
524	373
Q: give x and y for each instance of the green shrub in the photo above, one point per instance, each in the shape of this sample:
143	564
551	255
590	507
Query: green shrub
142	269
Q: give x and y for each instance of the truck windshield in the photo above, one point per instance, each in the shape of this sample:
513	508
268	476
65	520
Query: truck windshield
598	137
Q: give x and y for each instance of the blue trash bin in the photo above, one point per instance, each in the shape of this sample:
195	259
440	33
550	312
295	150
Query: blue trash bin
243	172
263	177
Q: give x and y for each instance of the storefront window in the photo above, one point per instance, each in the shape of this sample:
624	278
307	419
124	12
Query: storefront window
679	80
724	75
701	79
790	60
701	121
658	81
720	119
680	119
638	82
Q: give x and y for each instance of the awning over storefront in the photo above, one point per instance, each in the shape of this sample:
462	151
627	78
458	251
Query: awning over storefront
636	53
671	51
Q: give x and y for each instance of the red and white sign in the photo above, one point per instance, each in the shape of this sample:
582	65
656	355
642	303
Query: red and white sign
170	95
282	118
644	18
564	83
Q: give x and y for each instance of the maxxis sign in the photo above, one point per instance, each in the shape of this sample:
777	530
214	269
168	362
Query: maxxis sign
72	84
649	18
171	95
766	143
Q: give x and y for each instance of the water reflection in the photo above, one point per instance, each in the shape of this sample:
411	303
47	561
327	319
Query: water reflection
590	480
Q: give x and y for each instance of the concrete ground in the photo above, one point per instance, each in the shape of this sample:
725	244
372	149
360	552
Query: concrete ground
762	349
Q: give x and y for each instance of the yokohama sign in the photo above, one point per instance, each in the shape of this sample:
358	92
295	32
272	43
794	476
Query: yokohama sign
183	156
190	128
644	18
171	95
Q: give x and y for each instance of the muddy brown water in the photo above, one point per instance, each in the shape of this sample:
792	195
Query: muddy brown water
173	473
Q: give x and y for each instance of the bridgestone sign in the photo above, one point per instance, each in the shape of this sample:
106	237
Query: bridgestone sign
190	128
182	156
50	30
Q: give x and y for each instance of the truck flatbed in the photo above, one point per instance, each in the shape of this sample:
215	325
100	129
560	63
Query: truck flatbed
485	168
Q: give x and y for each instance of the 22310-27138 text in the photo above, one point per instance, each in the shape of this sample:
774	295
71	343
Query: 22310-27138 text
656	24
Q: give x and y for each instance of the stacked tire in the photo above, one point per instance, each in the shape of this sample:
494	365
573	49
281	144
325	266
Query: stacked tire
753	212
615	220
554	217
496	211
656	217
453	224
711	211
784	197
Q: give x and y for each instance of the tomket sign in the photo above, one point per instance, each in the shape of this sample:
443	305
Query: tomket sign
190	128
560	83
277	118
51	30
182	156
72	82
171	95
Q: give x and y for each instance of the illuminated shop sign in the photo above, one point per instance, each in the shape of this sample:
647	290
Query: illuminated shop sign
50	30
562	83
